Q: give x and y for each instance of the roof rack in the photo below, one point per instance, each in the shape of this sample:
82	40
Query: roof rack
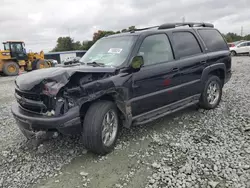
174	25
190	24
133	30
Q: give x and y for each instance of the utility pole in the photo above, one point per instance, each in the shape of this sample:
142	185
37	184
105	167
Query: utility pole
241	32
183	19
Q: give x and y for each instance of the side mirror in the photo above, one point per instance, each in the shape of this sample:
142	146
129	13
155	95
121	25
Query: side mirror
137	63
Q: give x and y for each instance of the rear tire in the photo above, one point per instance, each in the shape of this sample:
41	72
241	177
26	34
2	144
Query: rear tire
211	95
100	127
42	64
233	53
10	68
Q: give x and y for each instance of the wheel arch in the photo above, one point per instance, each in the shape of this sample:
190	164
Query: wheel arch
124	110
218	69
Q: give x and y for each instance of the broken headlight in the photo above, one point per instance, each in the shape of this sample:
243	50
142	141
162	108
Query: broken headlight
52	88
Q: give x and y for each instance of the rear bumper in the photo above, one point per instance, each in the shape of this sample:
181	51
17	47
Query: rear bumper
66	123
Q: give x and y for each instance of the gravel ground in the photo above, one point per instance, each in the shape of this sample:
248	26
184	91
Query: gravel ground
188	149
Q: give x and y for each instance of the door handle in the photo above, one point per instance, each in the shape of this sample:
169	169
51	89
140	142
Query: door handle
203	62
134	86
175	69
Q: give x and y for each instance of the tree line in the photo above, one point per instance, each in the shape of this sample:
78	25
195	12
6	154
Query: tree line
233	37
68	44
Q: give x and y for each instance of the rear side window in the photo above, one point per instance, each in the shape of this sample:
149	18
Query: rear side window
213	40
243	44
186	44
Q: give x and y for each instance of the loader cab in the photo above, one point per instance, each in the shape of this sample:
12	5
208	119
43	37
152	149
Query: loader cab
17	49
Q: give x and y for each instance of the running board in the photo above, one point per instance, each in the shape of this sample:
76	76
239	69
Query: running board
165	110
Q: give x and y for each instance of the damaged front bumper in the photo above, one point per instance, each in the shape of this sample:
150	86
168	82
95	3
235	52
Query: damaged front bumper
68	123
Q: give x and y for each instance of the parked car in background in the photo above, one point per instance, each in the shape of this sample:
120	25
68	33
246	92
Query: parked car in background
53	62
233	44
230	44
240	48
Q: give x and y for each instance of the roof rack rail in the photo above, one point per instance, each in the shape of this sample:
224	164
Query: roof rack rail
190	24
174	25
133	30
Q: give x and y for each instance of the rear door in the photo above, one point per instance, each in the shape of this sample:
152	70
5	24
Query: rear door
215	46
191	60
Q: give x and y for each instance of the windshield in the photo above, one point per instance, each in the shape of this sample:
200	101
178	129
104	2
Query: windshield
111	51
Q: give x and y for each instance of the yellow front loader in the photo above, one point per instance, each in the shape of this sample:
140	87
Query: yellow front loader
15	58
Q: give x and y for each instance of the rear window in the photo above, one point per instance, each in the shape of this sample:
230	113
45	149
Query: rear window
186	44
213	40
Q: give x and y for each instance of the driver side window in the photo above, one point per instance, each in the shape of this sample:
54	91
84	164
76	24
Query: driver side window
156	49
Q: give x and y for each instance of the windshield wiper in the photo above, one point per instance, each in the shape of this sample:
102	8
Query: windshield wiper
95	64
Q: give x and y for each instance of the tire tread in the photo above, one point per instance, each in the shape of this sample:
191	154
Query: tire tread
91	135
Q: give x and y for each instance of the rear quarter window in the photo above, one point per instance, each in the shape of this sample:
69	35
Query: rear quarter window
186	44
213	40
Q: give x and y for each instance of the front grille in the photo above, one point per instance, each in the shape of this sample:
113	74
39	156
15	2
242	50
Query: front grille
30	96
35	102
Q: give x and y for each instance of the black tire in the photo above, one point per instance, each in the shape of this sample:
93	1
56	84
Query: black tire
42	63
233	53
10	68
204	103
93	127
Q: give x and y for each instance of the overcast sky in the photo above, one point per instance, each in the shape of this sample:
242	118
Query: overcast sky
40	22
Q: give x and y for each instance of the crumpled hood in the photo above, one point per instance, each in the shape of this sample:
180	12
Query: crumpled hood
61	75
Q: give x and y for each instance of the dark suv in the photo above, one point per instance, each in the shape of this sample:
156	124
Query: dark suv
124	79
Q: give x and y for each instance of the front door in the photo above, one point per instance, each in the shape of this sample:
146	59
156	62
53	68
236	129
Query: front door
153	86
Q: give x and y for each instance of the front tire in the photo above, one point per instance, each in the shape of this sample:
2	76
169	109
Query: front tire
100	127
211	95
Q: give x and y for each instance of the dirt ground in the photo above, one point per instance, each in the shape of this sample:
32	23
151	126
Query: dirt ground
191	148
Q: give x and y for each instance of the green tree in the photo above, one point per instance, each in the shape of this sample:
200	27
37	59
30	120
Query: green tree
77	45
247	37
67	44
64	44
131	28
87	44
124	30
232	37
99	34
